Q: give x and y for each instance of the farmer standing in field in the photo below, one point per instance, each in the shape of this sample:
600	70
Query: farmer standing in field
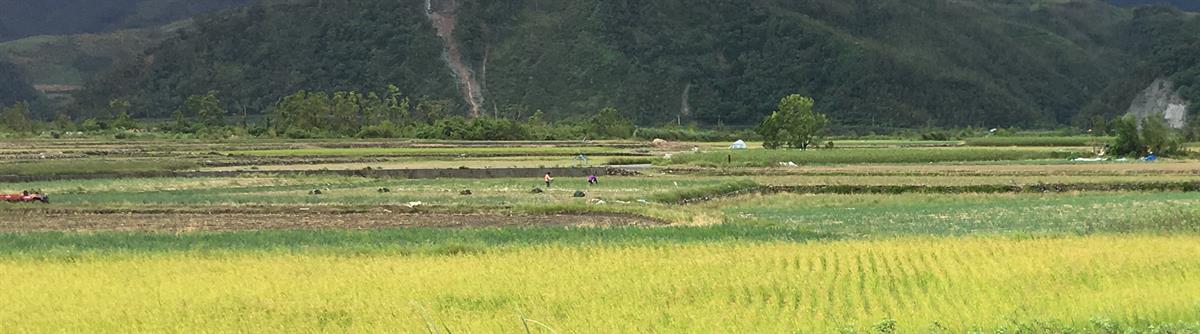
548	179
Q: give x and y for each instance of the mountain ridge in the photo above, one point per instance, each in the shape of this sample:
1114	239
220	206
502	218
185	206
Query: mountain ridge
884	63
23	18
1189	5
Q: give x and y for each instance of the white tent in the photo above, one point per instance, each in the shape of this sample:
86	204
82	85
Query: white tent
738	145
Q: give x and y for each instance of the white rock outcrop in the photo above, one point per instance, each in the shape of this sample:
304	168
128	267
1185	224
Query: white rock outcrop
1161	98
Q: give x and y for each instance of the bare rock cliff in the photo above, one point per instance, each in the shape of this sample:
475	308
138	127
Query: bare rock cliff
1161	98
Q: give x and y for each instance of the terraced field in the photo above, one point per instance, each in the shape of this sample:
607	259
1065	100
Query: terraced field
873	237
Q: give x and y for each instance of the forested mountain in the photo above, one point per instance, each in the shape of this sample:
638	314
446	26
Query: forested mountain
22	18
1192	5
1165	44
71	59
13	85
257	55
867	62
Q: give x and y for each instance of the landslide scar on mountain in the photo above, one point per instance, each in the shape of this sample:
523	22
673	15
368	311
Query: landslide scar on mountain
442	15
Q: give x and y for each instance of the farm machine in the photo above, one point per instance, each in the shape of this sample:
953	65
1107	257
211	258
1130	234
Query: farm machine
25	197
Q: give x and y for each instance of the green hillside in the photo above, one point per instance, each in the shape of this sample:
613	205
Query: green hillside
72	59
13	85
1181	4
879	63
255	56
24	18
1164	43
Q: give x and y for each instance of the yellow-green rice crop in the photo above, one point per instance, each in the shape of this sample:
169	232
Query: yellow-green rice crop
955	284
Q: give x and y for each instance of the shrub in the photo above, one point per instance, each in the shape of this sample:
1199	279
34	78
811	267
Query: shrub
298	133
630	161
93	125
1159	138
1154	136
938	136
382	130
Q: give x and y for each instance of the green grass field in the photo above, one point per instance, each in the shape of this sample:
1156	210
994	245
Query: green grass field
1040	141
54	167
769	158
975	214
726	249
428	151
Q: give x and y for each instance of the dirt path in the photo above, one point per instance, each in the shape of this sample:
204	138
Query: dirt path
197	222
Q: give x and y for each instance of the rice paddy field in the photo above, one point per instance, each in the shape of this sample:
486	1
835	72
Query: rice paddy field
876	236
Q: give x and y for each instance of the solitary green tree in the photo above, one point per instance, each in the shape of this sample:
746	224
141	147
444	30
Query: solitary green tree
374	110
62	122
794	125
397	106
118	105
207	108
119	108
181	123
1129	141
1099	125
433	110
345	109
17	118
609	123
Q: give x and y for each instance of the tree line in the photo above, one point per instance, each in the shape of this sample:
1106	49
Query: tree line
342	114
389	114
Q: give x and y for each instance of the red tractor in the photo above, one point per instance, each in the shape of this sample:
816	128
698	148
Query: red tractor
25	197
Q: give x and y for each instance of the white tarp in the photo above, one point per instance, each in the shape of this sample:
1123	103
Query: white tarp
738	145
